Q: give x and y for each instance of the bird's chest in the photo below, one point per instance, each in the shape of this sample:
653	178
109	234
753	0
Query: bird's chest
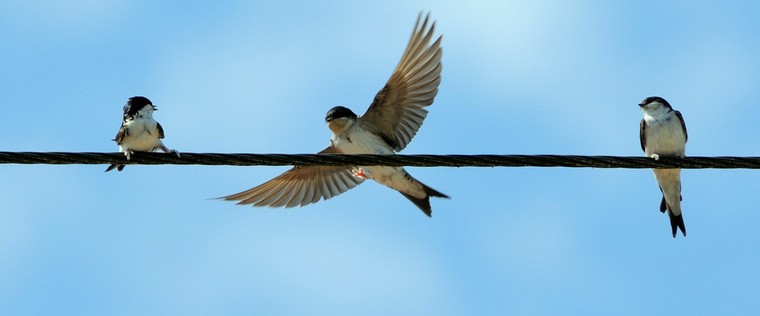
359	141
363	142
665	137
142	134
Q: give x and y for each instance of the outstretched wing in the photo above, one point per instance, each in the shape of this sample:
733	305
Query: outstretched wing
300	186
399	108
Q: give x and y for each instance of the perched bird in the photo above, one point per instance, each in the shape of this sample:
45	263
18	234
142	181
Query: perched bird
663	133
389	124
139	131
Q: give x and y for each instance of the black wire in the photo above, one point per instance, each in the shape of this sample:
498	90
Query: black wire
216	159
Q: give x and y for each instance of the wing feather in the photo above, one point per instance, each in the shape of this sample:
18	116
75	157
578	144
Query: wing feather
284	196
306	194
160	130
121	134
398	109
299	186
683	125
643	134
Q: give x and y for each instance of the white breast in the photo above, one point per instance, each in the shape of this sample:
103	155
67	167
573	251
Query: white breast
143	135
359	141
664	135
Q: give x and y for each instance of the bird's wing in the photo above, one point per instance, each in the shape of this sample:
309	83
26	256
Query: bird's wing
300	186
160	130
643	134
398	109
683	125
120	134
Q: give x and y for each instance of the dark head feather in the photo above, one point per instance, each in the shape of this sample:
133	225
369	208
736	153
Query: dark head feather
339	112
135	104
655	99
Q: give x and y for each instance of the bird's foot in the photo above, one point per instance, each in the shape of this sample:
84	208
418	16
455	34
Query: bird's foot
167	150
655	156
129	153
359	173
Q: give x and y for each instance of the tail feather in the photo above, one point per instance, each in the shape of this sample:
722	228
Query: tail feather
115	166
424	203
676	223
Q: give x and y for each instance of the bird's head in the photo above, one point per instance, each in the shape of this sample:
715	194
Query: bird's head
655	104
138	105
339	118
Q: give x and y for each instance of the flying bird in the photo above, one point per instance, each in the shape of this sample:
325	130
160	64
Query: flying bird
139	131
663	133
387	127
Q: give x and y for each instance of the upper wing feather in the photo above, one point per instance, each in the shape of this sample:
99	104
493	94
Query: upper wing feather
398	109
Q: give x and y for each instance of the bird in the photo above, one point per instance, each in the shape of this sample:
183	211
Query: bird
139	130
392	120
662	132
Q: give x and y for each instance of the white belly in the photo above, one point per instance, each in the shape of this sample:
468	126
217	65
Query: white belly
143	136
665	138
360	142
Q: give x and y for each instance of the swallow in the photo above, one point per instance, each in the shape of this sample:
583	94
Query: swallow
663	133
139	130
393	118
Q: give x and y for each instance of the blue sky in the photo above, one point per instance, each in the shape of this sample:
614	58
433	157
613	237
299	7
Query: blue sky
540	78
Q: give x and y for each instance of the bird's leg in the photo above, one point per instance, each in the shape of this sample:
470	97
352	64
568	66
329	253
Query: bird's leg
129	153
359	173
167	150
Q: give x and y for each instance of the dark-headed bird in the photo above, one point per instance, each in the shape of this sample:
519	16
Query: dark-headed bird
663	133
387	127
139	130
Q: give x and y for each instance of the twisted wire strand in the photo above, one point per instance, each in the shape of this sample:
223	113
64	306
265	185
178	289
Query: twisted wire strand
236	159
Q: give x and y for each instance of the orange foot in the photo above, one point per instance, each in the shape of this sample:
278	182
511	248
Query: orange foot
359	173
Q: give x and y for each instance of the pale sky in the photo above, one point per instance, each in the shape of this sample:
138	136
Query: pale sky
540	78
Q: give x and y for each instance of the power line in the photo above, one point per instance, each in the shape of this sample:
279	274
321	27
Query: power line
231	159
